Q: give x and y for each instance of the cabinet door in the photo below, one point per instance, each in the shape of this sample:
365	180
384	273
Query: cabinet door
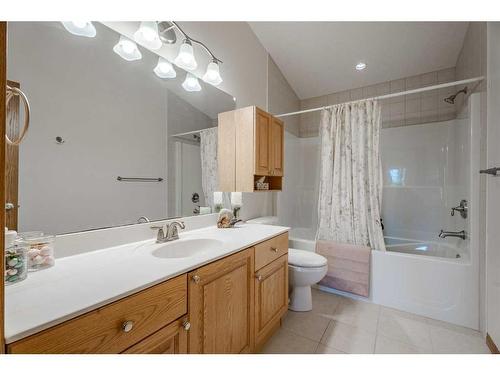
271	298
262	137
276	144
171	339
221	308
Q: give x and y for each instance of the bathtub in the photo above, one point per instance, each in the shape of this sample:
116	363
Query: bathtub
432	279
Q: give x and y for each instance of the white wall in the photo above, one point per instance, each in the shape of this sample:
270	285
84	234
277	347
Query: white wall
245	60
281	98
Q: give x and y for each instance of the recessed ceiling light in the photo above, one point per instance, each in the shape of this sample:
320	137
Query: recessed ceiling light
360	66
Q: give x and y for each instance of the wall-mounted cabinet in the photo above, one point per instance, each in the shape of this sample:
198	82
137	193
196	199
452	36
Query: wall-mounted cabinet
250	147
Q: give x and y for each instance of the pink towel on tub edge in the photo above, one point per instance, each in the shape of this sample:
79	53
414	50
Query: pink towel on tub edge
348	267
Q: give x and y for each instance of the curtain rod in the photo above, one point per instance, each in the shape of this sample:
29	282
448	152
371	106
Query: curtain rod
387	96
192	132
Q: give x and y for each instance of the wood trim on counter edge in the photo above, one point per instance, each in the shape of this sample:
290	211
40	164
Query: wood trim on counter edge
491	344
3	80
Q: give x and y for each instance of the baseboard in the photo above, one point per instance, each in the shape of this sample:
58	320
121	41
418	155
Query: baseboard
491	345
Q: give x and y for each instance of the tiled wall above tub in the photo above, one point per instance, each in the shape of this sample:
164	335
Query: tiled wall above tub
404	110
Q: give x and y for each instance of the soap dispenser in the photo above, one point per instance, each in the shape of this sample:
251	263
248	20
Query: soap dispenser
16	258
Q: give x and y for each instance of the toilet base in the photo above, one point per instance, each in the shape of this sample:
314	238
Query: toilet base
301	299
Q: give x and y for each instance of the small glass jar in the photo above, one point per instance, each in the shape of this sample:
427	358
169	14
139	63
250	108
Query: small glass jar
40	250
16	262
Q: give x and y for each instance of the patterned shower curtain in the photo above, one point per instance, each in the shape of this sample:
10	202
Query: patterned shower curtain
209	171
350	191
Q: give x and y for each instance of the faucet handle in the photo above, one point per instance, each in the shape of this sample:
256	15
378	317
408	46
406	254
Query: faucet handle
161	232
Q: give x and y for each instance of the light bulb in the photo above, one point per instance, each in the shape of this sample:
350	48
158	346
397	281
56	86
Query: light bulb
127	49
185	59
147	35
80	28
164	69
212	75
360	66
191	83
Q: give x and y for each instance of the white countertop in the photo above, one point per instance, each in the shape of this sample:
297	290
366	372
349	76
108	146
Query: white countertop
84	282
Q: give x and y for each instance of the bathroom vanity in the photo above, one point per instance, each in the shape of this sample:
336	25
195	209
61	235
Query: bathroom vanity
227	295
100	179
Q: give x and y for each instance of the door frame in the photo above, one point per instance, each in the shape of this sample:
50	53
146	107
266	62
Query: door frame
3	81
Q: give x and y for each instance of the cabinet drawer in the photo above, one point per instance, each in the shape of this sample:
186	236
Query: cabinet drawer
102	330
171	339
270	250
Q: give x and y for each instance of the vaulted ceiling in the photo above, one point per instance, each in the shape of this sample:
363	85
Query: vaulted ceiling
318	58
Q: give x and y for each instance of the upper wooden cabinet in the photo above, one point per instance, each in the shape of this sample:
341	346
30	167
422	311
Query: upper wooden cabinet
250	146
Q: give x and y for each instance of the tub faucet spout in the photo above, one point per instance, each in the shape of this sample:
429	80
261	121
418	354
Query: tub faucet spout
461	234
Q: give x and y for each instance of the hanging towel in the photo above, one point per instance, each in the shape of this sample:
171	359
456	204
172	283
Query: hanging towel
348	267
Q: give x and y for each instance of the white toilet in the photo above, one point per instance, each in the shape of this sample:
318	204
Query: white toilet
305	268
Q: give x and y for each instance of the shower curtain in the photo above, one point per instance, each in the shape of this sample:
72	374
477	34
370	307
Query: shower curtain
350	191
209	182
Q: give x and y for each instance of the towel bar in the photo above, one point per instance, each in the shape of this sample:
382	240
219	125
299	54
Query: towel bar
139	179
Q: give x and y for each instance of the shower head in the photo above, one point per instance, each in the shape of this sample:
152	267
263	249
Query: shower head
451	99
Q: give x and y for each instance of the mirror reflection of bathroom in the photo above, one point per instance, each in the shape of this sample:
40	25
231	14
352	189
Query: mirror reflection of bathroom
97	117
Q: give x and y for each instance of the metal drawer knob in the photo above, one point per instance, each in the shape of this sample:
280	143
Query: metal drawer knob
186	325
127	326
196	279
259	277
275	249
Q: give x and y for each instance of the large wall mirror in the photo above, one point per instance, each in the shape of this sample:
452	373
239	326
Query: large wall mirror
96	117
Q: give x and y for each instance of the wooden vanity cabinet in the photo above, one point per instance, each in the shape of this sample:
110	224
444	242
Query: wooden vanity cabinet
232	305
271	287
171	339
250	146
221	301
114	327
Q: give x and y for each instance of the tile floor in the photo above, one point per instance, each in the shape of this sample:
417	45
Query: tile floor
339	325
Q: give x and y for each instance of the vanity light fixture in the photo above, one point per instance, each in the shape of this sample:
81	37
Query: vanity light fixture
212	74
127	49
360	66
164	69
185	59
191	83
80	28
148	36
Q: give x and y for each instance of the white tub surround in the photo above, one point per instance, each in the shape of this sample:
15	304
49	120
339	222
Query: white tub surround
91	279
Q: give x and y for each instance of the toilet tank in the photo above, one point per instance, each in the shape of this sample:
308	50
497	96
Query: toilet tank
269	220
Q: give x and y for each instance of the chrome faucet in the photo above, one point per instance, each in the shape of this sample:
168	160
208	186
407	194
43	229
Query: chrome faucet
169	231
444	234
462	208
173	230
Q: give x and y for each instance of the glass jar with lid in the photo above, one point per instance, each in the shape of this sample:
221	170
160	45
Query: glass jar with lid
40	250
15	258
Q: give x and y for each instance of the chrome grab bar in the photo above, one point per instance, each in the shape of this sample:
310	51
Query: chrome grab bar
11	92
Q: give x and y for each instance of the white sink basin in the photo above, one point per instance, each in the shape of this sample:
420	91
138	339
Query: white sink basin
185	248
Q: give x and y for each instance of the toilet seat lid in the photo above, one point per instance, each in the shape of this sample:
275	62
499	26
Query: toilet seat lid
303	258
